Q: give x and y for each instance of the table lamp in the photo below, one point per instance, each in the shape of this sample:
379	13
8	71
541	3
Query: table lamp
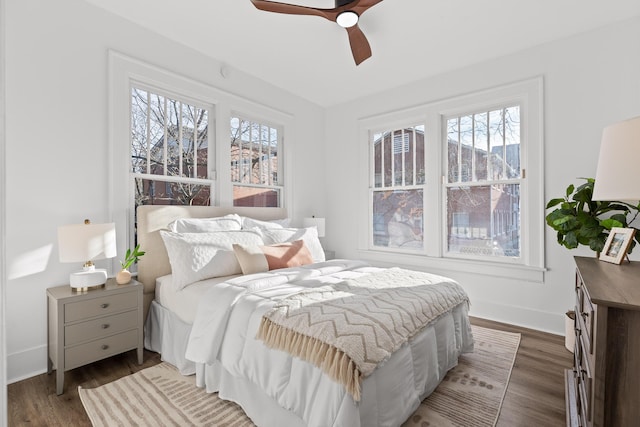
86	243
314	222
618	173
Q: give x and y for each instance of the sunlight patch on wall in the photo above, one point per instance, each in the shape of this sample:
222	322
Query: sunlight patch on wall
29	263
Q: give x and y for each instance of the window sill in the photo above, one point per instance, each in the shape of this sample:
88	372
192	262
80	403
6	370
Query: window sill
486	268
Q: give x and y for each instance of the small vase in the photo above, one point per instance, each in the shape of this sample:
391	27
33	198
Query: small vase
123	277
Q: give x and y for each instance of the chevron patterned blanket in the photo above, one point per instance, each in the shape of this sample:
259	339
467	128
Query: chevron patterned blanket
348	328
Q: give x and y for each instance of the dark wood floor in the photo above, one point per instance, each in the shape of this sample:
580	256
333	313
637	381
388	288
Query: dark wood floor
535	396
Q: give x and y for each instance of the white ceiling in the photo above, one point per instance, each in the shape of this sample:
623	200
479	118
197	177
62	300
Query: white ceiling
410	39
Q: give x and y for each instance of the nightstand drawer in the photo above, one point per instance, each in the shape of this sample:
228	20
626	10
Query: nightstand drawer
100	306
99	349
92	329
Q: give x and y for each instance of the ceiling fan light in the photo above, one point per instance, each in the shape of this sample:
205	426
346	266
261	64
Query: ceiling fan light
347	19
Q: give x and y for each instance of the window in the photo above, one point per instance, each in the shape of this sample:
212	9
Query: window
399	172
168	144
255	168
447	182
483	185
169	150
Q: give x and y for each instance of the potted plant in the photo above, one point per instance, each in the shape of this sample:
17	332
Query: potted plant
579	220
124	276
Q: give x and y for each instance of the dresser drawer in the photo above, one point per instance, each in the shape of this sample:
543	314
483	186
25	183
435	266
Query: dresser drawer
101	327
99	349
585	312
100	306
584	379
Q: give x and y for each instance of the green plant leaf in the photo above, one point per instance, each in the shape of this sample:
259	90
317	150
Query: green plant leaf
570	189
554	202
571	240
609	223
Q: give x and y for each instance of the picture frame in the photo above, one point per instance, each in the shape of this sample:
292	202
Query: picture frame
617	244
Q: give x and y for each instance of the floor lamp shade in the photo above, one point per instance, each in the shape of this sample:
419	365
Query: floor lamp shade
618	173
87	243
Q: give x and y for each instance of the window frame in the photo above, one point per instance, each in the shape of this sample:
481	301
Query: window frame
520	181
393	186
211	150
122	72
528	94
280	185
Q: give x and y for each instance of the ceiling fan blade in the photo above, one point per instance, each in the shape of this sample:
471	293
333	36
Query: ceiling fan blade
360	6
360	47
293	9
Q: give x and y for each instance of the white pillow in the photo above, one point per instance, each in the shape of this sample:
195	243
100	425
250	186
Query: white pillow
198	256
206	225
273	236
263	225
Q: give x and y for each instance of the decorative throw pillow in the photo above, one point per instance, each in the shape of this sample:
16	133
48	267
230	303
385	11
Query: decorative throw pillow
309	235
256	259
198	256
206	225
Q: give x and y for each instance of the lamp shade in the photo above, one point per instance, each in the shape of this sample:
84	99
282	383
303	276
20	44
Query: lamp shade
86	242
315	222
618	173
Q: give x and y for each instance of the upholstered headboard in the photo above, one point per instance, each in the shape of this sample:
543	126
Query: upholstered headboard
153	218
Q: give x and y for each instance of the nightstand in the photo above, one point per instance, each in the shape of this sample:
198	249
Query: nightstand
88	326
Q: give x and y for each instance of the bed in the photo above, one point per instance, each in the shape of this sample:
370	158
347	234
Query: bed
209	329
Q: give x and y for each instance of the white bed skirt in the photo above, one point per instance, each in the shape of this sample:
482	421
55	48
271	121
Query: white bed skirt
167	334
390	395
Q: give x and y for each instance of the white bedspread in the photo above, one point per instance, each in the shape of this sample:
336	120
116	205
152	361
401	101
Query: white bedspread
223	334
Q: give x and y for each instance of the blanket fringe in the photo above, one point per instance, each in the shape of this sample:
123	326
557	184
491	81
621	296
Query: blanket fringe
334	362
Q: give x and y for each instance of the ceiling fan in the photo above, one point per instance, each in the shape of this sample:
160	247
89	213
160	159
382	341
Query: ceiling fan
346	14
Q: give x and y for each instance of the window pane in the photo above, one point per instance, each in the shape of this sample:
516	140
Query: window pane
168	136
398	157
398	219
255	196
512	141
155	139
481	146
153	192
254	160
504	131
484	220
453	138
466	148
139	104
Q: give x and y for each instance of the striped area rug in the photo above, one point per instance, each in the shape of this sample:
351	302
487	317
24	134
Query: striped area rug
470	395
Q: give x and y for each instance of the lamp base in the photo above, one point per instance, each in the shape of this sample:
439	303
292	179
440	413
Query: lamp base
87	279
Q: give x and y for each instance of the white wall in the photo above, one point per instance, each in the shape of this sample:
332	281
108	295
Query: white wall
56	137
57	134
591	80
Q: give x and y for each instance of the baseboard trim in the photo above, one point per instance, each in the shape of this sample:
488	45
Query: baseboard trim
544	321
26	364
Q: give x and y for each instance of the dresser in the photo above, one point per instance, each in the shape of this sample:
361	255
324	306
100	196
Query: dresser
603	388
88	326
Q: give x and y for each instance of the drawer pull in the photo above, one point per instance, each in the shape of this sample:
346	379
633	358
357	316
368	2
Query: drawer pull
105	305
105	326
104	346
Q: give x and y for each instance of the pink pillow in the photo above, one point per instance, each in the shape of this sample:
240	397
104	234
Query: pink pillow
256	259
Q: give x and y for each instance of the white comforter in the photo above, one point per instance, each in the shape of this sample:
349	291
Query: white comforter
223	334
